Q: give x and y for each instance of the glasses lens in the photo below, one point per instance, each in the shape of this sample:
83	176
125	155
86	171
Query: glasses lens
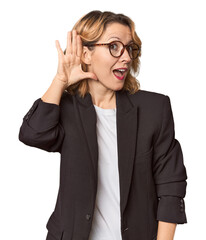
116	48
133	50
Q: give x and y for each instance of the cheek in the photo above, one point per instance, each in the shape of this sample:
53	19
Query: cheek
105	70
102	64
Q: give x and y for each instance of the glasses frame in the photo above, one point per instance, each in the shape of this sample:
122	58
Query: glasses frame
123	49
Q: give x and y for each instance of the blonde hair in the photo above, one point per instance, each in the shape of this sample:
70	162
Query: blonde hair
91	27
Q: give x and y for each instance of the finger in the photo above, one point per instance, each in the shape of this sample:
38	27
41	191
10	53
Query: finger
59	50
79	46
74	42
69	43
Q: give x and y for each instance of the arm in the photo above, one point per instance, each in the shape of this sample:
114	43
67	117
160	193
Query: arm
169	171
54	92
41	126
166	230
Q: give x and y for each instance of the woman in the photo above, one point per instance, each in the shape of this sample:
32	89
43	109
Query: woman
122	174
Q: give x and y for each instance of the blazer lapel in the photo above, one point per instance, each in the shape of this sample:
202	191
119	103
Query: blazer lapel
126	119
126	140
88	119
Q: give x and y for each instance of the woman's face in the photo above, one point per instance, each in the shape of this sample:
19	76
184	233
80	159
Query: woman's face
103	64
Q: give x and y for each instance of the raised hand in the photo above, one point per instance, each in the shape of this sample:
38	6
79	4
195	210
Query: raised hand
69	64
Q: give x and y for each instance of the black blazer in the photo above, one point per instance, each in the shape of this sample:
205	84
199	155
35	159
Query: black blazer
151	168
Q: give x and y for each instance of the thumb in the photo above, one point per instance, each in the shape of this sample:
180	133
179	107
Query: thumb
90	75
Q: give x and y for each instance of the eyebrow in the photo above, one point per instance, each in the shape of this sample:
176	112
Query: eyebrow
114	37
120	39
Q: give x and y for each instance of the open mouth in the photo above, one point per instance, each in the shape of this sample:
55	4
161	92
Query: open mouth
120	73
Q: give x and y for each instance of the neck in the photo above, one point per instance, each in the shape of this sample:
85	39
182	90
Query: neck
102	96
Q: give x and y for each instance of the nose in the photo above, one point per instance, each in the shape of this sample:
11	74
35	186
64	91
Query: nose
125	56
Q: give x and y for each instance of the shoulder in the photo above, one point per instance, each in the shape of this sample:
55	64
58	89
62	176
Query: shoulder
147	95
148	98
151	104
66	98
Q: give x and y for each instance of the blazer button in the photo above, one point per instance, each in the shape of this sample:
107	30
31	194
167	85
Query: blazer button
88	216
126	229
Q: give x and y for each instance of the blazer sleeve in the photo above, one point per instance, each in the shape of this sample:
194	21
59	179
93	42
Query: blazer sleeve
41	127
169	171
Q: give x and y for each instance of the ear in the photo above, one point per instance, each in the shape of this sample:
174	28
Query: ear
86	55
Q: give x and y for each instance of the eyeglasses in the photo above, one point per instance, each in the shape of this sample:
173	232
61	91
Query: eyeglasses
117	48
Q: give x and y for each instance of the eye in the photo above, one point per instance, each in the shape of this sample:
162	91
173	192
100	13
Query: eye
114	46
130	48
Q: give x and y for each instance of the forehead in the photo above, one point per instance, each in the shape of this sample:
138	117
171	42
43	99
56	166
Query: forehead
118	31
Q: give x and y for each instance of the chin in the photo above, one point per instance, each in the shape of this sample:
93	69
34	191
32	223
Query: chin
118	88
114	86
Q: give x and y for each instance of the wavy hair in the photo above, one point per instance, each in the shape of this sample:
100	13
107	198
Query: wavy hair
90	28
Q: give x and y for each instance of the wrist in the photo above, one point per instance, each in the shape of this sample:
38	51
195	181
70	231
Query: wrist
59	83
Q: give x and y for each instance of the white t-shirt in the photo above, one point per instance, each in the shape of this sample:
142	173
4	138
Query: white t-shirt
106	223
